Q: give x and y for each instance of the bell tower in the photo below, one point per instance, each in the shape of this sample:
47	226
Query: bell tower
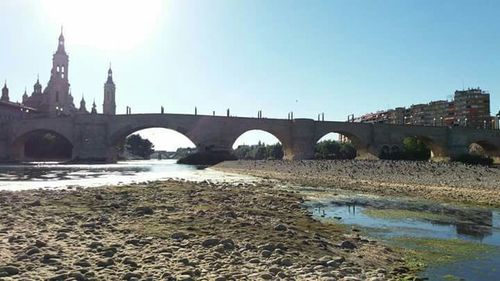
109	104
59	98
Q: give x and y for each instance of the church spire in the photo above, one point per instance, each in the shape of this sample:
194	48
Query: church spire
25	95
83	105
60	46
110	75
5	92
94	108
109	104
37	87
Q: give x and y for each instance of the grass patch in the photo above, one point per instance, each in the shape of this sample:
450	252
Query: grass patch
421	252
405	214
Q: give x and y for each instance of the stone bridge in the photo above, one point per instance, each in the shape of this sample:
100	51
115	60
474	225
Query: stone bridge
95	137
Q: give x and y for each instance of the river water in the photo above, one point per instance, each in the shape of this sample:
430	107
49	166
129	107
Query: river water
54	175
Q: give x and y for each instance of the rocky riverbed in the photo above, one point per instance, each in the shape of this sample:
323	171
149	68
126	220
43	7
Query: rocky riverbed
455	182
180	231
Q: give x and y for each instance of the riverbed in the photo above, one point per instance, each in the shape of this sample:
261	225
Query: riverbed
454	241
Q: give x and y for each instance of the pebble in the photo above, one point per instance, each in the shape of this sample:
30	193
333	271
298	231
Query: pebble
280	227
266	253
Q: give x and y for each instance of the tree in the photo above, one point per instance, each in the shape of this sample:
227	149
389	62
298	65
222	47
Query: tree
275	151
330	149
138	146
259	151
347	151
242	151
415	149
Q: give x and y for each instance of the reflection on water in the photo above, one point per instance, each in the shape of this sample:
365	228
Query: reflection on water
53	175
424	220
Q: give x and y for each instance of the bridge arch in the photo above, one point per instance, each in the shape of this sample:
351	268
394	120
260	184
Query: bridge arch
26	146
119	137
121	134
438	151
362	150
487	148
269	139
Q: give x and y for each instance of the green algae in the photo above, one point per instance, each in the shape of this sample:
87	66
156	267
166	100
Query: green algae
422	252
450	277
398	214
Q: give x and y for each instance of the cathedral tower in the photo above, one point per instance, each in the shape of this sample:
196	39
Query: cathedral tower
58	98
109	105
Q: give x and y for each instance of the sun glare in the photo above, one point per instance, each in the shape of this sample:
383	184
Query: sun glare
107	25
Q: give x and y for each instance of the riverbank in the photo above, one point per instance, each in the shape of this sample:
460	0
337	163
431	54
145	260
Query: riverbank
448	182
175	230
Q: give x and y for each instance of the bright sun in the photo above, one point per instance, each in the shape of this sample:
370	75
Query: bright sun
108	24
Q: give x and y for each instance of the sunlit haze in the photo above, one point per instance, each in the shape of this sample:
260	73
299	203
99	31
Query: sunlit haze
109	25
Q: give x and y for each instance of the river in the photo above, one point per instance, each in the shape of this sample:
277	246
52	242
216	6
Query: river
54	175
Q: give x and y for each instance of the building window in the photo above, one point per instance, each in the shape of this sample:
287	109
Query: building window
57	96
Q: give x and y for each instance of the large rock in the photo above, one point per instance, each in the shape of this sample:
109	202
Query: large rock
179	236
210	242
8	270
347	245
144	210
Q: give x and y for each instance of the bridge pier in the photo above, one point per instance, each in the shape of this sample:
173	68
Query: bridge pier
366	153
454	151
94	154
300	145
91	144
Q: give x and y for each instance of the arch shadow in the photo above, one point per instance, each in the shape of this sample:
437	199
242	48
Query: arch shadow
36	145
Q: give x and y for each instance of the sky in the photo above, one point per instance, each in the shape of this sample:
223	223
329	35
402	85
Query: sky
333	56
